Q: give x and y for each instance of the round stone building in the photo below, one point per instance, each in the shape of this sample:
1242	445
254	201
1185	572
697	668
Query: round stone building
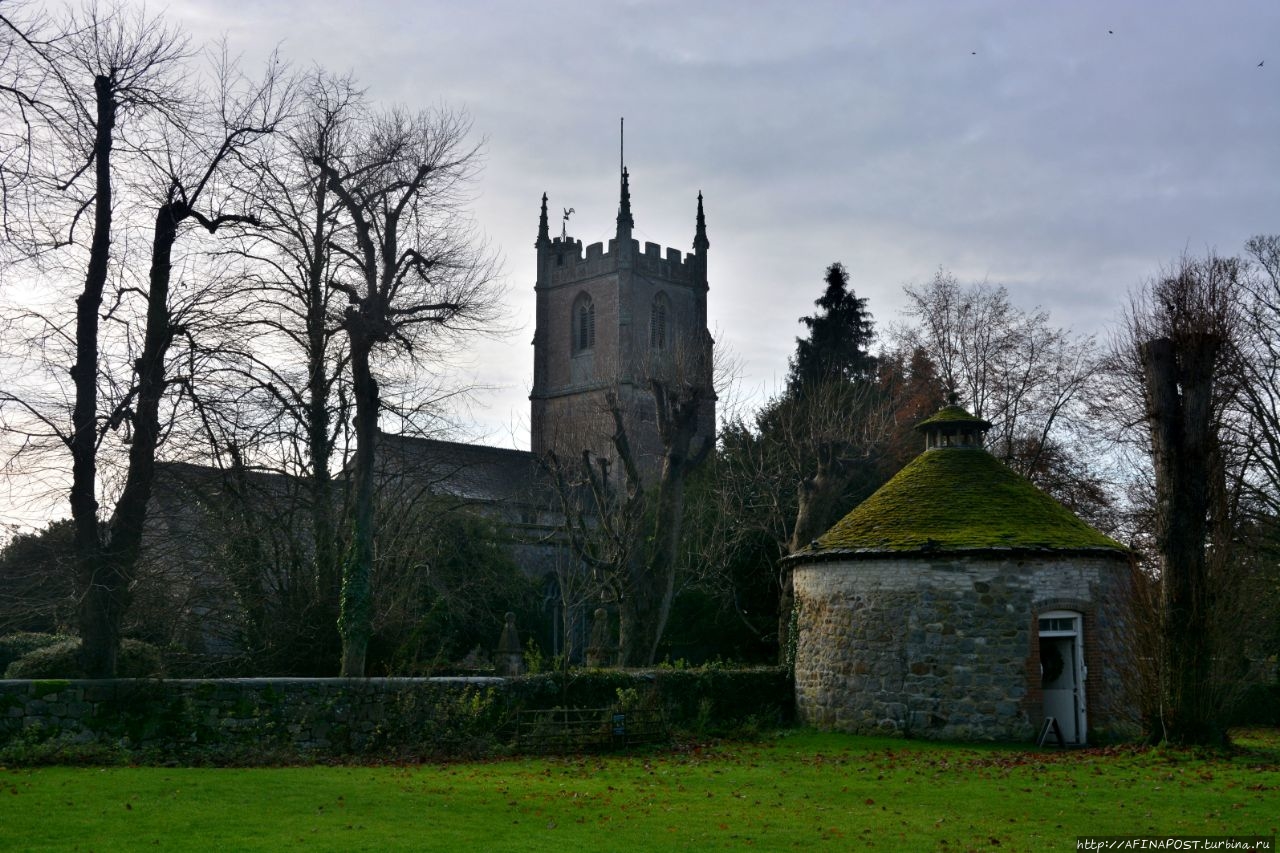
960	601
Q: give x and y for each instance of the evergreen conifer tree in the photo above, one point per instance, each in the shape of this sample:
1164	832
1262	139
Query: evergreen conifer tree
839	339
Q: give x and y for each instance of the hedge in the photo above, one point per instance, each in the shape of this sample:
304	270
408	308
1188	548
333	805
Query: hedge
14	646
61	659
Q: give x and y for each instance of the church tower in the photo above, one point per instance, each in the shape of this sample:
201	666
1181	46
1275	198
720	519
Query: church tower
614	322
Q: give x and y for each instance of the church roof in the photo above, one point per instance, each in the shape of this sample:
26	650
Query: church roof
957	499
473	472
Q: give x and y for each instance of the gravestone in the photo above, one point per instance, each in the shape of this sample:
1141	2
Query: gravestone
601	649
508	659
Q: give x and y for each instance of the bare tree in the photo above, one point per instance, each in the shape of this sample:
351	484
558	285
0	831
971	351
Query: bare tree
626	526
283	370
415	276
680	397
1010	367
106	67
93	69
191	167
841	430
1260	363
1180	341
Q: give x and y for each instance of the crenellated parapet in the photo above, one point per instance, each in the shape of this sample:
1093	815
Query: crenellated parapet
608	315
568	262
565	250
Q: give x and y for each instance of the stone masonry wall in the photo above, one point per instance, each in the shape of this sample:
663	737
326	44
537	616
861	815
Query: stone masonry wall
325	715
251	719
948	647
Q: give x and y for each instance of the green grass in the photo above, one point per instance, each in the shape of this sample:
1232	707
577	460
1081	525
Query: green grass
799	791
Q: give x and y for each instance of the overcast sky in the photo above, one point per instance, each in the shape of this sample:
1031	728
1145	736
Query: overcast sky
1064	149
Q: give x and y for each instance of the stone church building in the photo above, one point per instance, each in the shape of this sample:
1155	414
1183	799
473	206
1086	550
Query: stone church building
611	321
961	602
608	322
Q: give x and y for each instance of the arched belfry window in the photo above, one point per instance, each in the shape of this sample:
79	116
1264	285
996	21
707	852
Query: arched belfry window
659	318
584	323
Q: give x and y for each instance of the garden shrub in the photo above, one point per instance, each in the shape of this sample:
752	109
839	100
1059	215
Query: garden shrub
729	696
39	745
707	696
14	646
439	721
62	660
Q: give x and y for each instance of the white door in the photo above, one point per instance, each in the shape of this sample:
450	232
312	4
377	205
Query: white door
1062	673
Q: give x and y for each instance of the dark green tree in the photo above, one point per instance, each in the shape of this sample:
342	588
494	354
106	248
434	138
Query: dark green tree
37	580
444	577
809	455
840	337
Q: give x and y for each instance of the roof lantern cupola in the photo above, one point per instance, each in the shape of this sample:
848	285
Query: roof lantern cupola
953	426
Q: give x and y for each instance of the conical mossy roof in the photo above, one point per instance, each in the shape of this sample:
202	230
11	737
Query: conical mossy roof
958	499
953	414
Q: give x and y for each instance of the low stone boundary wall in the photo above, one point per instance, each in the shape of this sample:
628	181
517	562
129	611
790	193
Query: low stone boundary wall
241	718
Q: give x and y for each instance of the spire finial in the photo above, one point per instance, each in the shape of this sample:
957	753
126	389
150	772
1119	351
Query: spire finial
700	241
544	229
624	205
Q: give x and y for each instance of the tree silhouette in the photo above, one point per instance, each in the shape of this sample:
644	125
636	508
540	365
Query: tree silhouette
838	346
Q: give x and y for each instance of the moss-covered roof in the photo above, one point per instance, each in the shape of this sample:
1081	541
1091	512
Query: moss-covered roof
952	414
957	499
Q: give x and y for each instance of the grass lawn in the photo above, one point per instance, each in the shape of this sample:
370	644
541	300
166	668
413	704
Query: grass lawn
800	790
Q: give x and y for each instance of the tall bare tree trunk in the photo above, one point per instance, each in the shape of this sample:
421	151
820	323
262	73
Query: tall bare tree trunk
637	611
99	640
667	525
357	606
328	571
1179	390
107	598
